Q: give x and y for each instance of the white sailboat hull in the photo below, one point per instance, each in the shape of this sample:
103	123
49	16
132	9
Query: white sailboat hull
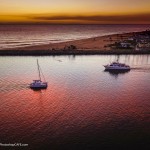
38	85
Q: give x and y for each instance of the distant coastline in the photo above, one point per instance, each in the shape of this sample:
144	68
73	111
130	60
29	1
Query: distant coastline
125	43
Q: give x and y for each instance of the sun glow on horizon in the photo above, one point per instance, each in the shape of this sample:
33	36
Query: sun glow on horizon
79	11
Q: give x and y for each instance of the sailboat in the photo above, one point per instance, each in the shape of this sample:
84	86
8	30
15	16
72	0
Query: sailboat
39	84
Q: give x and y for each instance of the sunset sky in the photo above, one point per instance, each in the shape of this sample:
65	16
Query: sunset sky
75	11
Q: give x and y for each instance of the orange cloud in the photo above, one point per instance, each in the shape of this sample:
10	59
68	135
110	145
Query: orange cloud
83	19
120	18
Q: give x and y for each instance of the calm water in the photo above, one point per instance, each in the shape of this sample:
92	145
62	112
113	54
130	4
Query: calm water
26	35
84	107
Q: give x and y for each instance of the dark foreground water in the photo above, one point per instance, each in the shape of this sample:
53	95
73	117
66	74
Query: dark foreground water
84	107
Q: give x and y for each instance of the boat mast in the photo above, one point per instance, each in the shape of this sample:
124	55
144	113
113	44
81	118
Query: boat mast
39	70
117	58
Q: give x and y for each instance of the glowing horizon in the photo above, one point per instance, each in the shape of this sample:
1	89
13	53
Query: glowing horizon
70	12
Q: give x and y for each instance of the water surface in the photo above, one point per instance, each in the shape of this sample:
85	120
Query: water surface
12	36
84	107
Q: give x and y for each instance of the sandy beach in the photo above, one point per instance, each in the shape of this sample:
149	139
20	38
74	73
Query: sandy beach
96	43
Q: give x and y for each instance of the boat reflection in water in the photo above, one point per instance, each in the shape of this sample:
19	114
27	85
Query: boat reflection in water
116	73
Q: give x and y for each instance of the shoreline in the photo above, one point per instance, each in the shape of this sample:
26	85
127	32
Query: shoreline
101	45
60	53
